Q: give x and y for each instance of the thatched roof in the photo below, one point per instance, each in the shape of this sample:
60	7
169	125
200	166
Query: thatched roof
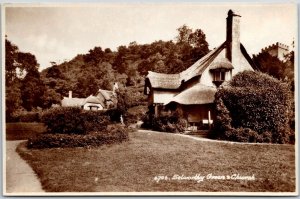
106	94
198	67
173	81
72	102
160	80
94	100
222	63
198	94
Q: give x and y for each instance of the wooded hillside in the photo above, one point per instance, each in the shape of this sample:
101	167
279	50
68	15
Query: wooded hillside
28	89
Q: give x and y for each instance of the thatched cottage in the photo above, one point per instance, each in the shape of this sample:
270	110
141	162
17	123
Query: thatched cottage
192	91
104	99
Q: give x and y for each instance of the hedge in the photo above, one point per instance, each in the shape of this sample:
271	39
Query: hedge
253	107
111	135
70	120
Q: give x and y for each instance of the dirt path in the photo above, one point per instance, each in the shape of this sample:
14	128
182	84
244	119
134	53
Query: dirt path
20	178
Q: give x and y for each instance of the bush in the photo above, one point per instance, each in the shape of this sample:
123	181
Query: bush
65	120
114	114
70	120
95	121
172	124
242	135
135	114
266	137
254	103
111	135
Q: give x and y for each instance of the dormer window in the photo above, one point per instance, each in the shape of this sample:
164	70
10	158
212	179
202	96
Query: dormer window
221	70
219	75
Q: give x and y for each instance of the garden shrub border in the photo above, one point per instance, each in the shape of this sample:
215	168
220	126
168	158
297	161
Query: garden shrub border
112	135
74	120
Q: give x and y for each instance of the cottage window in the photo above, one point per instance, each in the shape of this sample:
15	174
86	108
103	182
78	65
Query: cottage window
93	108
219	76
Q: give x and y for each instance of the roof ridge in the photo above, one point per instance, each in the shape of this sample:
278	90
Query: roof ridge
208	57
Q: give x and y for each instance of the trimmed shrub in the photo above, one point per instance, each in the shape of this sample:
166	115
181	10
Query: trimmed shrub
111	135
257	102
95	120
70	120
64	120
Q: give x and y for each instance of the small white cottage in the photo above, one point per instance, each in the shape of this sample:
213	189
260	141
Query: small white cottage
104	99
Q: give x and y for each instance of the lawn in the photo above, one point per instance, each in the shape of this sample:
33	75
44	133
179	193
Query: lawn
23	131
132	166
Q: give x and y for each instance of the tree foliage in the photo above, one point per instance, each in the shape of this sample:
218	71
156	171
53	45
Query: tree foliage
22	91
11	57
32	90
271	65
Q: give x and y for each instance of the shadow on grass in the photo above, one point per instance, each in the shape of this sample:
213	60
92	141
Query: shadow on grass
23	131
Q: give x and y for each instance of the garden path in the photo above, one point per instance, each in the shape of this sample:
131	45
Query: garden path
20	178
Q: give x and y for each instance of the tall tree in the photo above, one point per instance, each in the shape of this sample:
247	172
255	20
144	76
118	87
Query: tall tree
32	90
95	55
270	65
197	40
27	62
192	44
119	63
13	99
50	98
289	65
184	33
25	91
11	62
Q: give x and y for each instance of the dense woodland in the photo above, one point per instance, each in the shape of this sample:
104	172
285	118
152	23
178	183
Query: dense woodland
27	89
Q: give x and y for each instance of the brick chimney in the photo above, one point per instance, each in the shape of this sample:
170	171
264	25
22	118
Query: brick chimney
233	36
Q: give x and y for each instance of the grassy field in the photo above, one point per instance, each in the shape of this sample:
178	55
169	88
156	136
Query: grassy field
23	131
133	166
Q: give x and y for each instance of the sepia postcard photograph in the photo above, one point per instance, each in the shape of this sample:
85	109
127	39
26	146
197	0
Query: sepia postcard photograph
150	99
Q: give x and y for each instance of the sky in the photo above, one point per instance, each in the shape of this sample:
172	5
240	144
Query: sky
59	33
